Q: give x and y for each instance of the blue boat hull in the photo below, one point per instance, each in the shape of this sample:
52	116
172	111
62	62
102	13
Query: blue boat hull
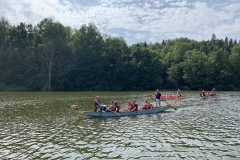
120	114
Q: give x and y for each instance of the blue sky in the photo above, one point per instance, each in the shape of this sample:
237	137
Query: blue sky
134	20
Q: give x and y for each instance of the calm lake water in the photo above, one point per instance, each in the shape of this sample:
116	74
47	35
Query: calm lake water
41	125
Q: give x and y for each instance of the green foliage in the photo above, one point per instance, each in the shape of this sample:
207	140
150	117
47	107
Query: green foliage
174	76
4	32
234	59
52	39
197	70
50	56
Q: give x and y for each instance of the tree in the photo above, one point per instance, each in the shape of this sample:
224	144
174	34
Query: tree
235	42
52	37
214	37
147	68
234	60
90	63
222	75
19	49
174	75
226	40
4	31
230	43
116	53
197	70
163	42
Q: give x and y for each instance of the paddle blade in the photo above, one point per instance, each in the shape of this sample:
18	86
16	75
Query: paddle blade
79	112
174	103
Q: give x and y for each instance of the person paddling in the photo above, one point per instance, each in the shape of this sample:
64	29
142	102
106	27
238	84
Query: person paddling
110	107
134	107
147	105
116	108
203	93
179	93
97	104
213	91
129	106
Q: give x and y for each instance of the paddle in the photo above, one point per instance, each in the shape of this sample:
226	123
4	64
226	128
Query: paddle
171	105
75	107
174	103
79	112
150	96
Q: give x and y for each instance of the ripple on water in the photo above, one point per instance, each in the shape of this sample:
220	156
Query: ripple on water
36	128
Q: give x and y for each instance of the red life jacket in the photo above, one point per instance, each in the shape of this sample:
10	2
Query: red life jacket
132	106
148	106
145	106
135	107
111	107
96	102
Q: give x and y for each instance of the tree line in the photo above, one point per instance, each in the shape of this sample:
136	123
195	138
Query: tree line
52	57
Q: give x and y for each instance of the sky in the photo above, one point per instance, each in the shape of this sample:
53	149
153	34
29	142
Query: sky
135	20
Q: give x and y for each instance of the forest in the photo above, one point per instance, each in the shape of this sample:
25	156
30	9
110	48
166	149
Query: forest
52	57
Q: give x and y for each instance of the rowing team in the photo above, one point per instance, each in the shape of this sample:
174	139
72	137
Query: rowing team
132	106
206	94
114	107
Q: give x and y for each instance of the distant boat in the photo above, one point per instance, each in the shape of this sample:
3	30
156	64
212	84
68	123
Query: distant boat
166	97
211	95
172	97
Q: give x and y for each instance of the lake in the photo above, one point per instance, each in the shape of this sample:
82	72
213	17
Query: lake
41	125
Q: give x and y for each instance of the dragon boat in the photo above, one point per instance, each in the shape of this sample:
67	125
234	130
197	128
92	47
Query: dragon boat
208	96
129	113
154	110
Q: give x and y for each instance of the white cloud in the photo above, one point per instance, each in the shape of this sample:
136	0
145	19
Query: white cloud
227	30
139	36
179	3
232	7
145	20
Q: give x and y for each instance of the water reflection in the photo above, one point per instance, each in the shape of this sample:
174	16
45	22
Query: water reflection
42	126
